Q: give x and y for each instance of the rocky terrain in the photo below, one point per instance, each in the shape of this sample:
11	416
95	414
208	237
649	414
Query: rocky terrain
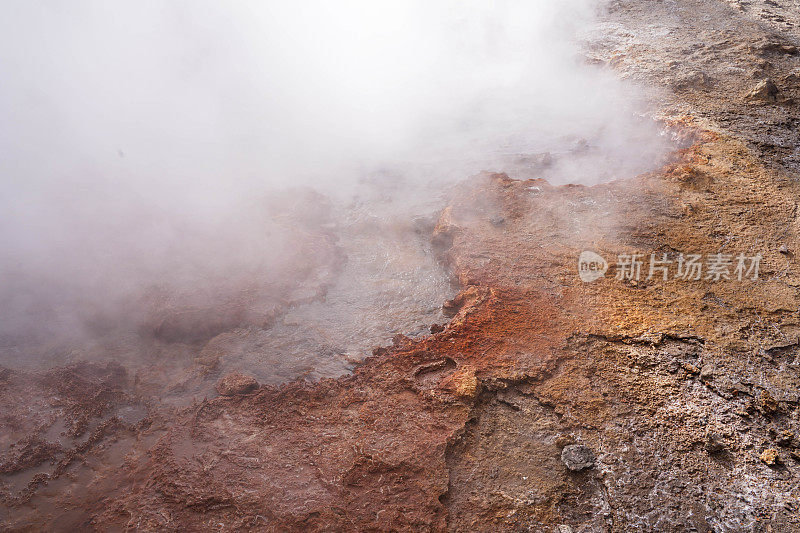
538	402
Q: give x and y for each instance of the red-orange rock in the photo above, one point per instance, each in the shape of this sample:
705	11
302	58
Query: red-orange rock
236	384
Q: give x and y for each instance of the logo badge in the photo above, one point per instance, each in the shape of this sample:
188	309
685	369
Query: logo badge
591	266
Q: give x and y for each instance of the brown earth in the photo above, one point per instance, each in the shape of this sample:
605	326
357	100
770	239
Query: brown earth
687	392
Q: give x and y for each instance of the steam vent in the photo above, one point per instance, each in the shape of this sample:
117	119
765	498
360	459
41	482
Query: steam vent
400	266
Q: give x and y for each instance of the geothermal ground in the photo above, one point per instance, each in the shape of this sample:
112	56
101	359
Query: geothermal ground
474	382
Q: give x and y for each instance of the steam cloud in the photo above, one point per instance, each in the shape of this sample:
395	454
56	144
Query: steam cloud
137	139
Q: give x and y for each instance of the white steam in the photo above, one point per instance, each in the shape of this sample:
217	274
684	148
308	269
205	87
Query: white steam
138	137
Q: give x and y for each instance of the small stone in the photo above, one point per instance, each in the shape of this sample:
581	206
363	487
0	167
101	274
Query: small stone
765	91
236	384
714	442
690	368
462	383
767	404
563	528
770	457
577	457
783	249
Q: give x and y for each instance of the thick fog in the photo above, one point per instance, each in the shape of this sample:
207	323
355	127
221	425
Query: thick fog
139	139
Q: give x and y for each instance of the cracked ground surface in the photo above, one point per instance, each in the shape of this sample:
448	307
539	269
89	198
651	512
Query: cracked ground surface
687	392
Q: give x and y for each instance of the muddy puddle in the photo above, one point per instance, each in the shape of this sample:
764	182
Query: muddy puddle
364	270
389	284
